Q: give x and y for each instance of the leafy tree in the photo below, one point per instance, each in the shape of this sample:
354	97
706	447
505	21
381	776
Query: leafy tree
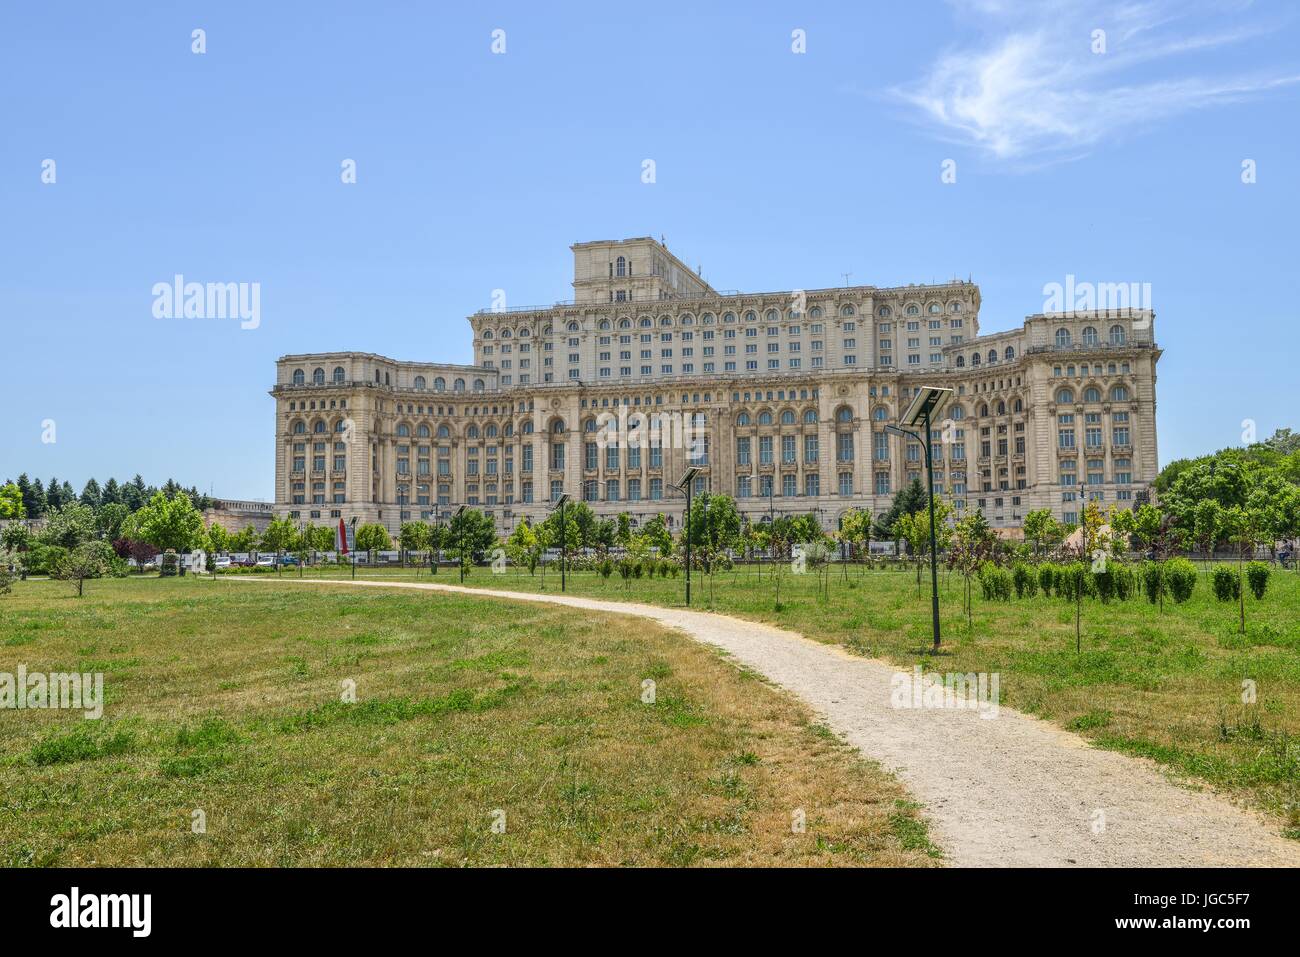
91	559
714	528
624	533
910	498
112	493
373	537
1042	529
972	545
68	526
855	528
655	533
91	495
11	502
33	494
109	519
472	534
217	539
167	524
524	548
244	540
414	537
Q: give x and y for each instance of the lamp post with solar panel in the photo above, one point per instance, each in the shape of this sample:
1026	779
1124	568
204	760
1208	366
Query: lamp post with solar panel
922	411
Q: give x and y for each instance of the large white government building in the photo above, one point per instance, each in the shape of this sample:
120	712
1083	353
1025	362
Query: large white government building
791	392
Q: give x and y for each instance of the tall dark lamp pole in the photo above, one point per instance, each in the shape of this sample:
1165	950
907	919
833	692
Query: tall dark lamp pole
923	409
561	505
460	541
684	486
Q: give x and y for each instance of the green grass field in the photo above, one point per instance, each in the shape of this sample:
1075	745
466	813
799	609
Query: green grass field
225	698
1166	686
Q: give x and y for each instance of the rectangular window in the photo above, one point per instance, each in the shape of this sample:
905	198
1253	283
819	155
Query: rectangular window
765	450
810	449
789	451
742	451
789	488
812	484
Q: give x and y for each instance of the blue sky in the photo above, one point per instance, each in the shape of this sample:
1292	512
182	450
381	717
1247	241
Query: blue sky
476	171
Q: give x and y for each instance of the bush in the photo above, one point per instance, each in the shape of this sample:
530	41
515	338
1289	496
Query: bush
1104	583
1181	576
169	564
1074	578
1047	578
1026	582
606	568
1257	577
995	582
1125	581
1153	580
1227	587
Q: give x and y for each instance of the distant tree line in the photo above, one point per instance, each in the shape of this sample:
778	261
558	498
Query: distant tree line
29	499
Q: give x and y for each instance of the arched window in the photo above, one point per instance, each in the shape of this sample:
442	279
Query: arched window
1092	394
1017	406
879	413
604	324
1009	353
478	385
589	425
1090	336
771	315
954	307
983	410
1119	394
403	431
299	377
810	416
471	432
935	309
787	417
339	374
299	428
439	384
318	427
422	432
318	377
975	359
1116	335
557	427
419	383
742	419
993	356
847	309
625	323
491	432
573	327
341	425
1002	407
1064	396
1062	337
815	312
961	362
458	385
751	316
883	312
765	418
958	413
620	266
645	322
444	432
912	310
487	333
527	427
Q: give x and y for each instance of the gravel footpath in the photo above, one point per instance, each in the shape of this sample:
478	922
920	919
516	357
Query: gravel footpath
1008	791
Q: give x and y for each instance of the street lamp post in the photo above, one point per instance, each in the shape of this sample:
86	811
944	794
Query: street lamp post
925	405
684	486
562	504
460	541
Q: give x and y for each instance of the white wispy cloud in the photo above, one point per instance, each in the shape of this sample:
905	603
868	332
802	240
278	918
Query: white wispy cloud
1032	87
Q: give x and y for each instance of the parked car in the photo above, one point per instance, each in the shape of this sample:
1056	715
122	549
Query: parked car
222	562
288	559
266	561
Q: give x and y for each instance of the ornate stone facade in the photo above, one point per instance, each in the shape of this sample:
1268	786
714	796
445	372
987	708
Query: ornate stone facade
781	398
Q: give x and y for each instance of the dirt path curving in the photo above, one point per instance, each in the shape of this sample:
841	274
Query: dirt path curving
1009	791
